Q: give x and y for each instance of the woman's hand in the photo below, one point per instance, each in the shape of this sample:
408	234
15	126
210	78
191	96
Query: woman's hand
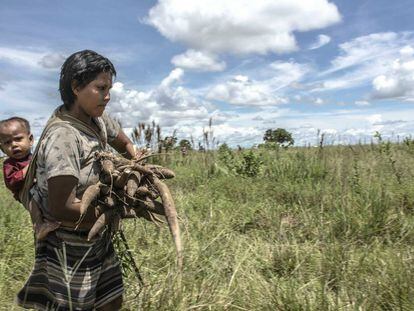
139	153
63	203
126	148
123	145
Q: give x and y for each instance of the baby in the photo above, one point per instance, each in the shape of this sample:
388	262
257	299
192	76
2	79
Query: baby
16	142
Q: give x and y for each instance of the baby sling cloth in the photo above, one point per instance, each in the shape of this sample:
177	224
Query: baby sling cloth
59	117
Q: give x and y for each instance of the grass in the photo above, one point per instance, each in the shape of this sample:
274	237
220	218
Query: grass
316	229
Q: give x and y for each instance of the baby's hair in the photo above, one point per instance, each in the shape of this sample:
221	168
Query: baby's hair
23	122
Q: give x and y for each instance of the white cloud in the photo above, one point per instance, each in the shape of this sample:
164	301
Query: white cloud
243	92
52	60
362	103
31	58
286	73
233	135
319	101
321	41
398	81
199	61
168	104
20	57
362	59
407	52
174	76
366	48
240	26
351	126
375	118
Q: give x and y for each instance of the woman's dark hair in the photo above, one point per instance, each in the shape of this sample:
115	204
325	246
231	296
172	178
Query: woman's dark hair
81	67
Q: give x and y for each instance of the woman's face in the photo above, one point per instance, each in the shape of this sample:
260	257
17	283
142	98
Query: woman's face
93	98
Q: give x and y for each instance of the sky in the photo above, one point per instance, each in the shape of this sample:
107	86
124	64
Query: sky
344	68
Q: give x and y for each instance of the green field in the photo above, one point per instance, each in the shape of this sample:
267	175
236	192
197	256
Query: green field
296	229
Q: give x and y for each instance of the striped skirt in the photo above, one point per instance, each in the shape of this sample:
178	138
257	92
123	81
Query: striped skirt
71	273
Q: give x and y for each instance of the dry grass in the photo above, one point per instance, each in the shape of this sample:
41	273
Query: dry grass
318	229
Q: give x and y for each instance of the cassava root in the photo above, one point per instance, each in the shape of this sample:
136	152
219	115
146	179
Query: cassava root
129	189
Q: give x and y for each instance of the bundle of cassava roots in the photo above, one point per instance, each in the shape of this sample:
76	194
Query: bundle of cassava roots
131	189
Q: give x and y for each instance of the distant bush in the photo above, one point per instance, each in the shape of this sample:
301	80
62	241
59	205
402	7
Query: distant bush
227	158
269	146
409	143
250	164
246	164
185	143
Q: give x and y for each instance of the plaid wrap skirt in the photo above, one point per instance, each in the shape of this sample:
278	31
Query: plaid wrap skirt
71	273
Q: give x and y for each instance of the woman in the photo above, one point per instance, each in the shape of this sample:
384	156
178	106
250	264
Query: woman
71	273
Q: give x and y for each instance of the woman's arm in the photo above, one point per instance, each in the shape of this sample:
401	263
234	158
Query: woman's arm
124	146
63	204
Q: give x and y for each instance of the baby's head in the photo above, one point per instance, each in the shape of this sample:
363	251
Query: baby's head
15	137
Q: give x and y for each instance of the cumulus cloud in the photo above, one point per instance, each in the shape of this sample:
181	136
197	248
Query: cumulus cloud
243	92
321	41
232	135
347	127
168	104
198	61
340	126
174	76
398	82
240	26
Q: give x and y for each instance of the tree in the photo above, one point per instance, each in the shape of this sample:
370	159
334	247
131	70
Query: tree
168	143
185	143
279	136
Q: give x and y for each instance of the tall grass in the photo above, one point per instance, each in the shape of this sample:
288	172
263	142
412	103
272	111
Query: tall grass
318	229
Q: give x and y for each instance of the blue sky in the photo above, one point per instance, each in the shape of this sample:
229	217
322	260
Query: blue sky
344	68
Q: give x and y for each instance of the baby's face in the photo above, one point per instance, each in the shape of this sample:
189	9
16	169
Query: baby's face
15	141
